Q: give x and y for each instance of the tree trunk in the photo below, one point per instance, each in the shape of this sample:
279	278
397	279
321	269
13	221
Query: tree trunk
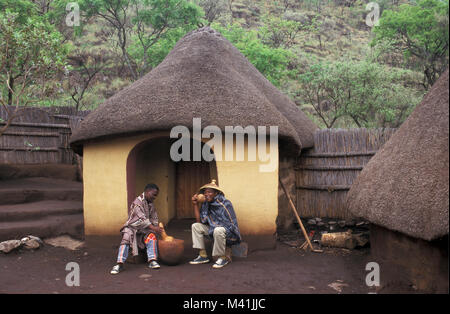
10	91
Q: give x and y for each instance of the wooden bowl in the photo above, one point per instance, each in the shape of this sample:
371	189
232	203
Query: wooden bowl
171	252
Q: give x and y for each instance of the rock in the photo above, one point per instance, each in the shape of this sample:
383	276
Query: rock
65	241
342	223
9	245
31	244
320	224
318	219
312	222
145	276
338	285
332	223
361	238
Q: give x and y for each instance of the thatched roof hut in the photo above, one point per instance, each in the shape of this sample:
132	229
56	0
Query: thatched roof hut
404	192
203	76
405	186
125	141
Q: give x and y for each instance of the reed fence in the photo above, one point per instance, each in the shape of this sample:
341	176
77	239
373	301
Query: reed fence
39	135
325	172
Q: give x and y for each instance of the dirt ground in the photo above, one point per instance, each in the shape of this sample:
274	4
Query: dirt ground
282	270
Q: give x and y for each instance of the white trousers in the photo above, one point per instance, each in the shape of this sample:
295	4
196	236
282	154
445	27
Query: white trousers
200	230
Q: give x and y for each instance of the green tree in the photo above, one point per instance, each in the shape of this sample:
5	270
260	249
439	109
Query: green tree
154	19
31	53
156	53
273	63
141	24
419	31
370	94
213	9
279	32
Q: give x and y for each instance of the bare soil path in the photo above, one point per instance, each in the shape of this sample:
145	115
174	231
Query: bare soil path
282	270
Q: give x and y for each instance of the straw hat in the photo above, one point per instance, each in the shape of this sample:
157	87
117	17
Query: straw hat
211	185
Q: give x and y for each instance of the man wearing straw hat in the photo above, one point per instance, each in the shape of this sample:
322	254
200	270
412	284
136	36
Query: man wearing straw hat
215	218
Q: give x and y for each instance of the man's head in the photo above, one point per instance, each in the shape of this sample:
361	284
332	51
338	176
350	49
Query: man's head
210	194
151	192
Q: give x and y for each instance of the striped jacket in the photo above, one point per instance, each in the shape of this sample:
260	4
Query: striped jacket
142	214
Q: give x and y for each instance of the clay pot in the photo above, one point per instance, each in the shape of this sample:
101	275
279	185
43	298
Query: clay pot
171	252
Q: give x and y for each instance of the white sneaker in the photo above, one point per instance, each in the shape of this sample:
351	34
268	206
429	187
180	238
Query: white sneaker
153	265
116	269
220	263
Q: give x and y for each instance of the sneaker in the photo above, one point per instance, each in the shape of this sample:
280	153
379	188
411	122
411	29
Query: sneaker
153	265
199	260
116	269
220	263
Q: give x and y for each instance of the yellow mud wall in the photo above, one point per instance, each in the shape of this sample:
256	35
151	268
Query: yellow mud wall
105	184
253	193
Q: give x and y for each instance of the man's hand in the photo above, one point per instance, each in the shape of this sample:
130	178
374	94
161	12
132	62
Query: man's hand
194	200
156	229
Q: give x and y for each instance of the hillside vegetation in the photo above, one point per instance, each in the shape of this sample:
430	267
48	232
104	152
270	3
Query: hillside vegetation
327	56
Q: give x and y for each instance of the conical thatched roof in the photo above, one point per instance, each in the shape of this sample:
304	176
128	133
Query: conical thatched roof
206	77
405	186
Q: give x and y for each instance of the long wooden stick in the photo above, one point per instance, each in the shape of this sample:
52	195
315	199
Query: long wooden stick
298	218
305	244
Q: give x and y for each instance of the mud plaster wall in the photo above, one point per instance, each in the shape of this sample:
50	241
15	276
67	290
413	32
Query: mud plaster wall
406	260
254	194
105	198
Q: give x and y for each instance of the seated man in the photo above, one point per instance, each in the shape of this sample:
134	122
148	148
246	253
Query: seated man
217	219
140	230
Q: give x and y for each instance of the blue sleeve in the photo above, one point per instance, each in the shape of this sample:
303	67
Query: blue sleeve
203	213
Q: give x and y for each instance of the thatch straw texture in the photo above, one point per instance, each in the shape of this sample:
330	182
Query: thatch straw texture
206	77
405	186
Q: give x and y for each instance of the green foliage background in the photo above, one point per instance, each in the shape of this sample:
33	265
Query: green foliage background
321	53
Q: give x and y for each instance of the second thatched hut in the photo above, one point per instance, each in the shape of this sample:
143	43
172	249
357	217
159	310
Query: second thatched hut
404	192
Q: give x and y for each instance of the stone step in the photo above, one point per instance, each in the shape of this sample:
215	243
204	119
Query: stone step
27	190
37	210
47	226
